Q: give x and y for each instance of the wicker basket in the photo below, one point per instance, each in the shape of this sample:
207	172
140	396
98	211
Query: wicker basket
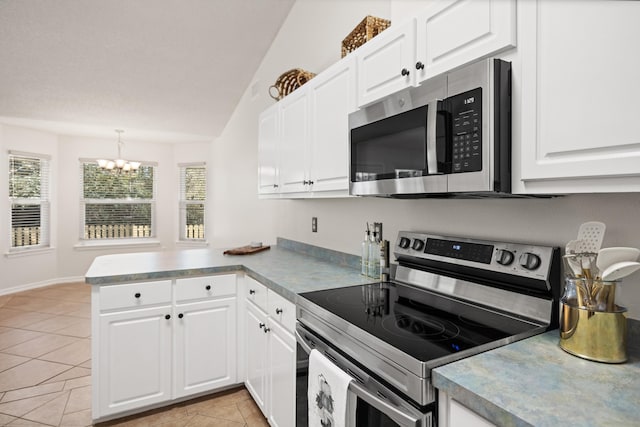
288	82
363	32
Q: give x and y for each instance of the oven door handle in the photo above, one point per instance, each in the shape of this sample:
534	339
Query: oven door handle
390	410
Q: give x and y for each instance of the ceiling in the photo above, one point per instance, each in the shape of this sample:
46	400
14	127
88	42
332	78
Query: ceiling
167	70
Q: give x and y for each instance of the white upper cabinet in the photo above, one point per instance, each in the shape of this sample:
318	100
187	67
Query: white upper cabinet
386	64
580	96
294	142
451	33
268	150
332	99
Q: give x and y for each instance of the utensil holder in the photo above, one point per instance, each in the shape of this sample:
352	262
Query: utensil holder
594	335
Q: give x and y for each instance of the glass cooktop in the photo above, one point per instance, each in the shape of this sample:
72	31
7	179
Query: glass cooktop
420	323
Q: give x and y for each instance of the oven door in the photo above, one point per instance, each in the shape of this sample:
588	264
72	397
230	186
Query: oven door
377	405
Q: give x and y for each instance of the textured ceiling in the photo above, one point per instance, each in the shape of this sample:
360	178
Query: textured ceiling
173	67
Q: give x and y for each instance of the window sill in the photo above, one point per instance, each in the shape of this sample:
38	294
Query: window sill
28	252
192	244
120	243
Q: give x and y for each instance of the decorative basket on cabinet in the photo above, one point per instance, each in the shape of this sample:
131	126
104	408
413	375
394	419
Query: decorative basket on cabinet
363	32
288	82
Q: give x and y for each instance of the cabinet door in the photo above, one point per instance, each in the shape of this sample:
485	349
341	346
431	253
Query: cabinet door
386	64
451	33
205	346
282	378
268	146
294	142
135	359
579	101
332	99
256	350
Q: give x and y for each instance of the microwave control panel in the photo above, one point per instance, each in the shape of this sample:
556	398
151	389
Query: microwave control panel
466	115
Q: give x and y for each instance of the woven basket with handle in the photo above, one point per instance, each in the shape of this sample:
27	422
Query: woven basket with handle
363	32
288	82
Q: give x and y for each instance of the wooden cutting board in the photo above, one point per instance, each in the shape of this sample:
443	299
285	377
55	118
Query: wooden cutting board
245	250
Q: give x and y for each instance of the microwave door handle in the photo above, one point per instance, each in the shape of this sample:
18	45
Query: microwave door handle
432	123
395	413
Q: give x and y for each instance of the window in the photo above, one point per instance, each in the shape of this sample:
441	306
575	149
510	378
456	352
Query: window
117	205
29	200
193	191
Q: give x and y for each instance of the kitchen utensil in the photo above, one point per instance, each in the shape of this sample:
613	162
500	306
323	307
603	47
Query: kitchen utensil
590	235
610	256
571	264
603	296
619	270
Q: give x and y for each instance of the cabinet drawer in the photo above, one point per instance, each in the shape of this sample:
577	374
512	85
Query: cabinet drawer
133	295
282	310
256	292
205	287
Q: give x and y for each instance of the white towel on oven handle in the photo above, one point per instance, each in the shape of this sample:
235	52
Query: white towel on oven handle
330	403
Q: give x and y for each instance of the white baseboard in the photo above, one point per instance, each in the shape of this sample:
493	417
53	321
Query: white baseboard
29	286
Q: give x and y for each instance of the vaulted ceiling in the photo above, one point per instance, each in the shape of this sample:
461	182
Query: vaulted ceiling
173	68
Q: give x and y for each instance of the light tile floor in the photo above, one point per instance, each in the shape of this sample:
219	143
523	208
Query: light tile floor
45	368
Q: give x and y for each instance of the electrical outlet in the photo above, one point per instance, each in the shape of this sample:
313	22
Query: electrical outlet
314	224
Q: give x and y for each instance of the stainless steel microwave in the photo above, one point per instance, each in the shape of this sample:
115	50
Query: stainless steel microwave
450	136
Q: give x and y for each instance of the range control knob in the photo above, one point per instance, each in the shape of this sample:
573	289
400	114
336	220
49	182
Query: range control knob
404	242
529	261
417	245
504	257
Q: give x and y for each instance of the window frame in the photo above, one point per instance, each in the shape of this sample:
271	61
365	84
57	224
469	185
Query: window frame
183	203
109	241
43	201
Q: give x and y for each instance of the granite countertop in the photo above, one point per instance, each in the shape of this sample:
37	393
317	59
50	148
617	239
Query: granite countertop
289	268
534	382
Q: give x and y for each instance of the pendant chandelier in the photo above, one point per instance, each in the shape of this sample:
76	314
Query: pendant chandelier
118	165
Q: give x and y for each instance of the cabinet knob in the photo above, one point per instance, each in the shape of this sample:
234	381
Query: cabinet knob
168	316
137	295
278	310
404	72
310	182
261	325
252	291
180	316
266	330
208	287
275	185
419	66
305	182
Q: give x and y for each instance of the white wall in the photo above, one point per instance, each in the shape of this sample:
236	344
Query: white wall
310	39
66	261
35	268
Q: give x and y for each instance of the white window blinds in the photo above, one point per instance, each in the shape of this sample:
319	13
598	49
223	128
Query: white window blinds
29	200
193	193
117	205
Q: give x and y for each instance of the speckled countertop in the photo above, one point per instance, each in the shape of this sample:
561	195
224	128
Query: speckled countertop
535	383
288	268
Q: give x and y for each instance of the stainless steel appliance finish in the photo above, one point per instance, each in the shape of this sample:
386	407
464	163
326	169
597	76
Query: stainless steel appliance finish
510	287
449	136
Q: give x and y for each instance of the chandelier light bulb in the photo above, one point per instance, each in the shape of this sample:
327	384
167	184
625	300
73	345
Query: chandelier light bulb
120	164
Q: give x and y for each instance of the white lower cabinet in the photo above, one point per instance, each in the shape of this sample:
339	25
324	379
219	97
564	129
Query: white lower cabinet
135	360
452	413
256	363
205	346
153	342
271	354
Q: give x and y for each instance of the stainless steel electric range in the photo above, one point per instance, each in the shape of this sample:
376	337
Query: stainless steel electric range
449	298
